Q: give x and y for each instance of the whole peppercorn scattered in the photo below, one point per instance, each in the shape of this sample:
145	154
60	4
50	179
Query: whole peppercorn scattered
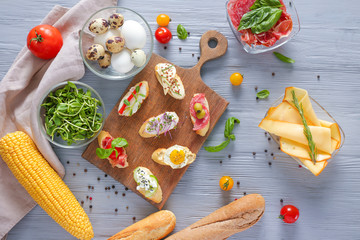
257	98
220	161
165	47
254	153
105	188
244	193
124	194
265	133
265	150
272	154
229	156
269	138
87	197
198	58
188	34
281	200
279	148
98	179
318	77
82	202
67	162
105	175
116	192
90	206
113	186
180	49
134	219
238	182
126	189
270	163
116	209
127	207
256	88
74	174
85	170
192	55
273	74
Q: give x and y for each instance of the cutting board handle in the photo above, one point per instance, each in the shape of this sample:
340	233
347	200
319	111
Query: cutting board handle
209	53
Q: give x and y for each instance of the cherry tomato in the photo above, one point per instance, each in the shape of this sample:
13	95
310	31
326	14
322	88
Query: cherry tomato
226	183
163	35
163	20
44	41
236	79
289	214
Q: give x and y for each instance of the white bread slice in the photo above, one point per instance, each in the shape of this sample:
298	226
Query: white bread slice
166	91
143	127
157	197
145	85
235	217
101	137
203	131
159	154
155	226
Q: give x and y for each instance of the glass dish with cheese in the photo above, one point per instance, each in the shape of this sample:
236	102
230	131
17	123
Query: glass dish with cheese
285	126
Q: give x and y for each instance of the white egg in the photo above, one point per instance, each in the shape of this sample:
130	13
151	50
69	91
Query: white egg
134	34
101	38
121	62
178	156
138	57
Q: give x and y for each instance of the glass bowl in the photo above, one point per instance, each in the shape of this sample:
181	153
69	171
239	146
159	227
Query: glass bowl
254	49
57	140
85	42
322	114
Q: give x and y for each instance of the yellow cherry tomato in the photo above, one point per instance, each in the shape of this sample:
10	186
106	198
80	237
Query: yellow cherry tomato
226	183
236	79
163	20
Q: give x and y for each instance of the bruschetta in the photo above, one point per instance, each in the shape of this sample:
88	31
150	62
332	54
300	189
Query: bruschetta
132	101
147	184
118	159
200	114
169	80
160	124
175	157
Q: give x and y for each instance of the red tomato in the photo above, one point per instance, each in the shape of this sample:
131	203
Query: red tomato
44	41
289	214
163	35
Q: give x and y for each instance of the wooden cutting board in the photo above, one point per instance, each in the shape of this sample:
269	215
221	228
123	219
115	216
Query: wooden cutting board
140	149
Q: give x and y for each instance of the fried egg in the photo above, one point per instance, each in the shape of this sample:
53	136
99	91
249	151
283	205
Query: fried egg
178	156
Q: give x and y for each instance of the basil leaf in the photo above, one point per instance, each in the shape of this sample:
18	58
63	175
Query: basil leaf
229	126
126	102
119	142
252	18
103	153
263	94
232	137
269	22
218	148
181	31
137	89
283	58
263	3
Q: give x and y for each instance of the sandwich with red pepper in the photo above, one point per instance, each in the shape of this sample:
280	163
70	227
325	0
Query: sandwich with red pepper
132	101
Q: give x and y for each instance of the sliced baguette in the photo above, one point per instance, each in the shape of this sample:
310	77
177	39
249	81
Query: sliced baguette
154	227
159	154
142	130
146	87
203	131
157	196
101	137
166	91
235	217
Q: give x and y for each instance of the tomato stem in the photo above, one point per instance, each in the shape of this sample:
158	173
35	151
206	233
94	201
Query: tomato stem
281	216
38	38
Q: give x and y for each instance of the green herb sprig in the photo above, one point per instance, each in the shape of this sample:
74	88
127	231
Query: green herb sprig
181	32
307	132
284	58
116	143
229	127
72	114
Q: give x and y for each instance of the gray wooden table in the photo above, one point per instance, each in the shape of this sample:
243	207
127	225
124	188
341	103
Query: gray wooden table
328	45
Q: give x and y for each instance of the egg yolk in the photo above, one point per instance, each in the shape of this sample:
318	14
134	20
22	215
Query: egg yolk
177	157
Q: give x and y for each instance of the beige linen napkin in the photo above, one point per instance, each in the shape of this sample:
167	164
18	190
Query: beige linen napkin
20	91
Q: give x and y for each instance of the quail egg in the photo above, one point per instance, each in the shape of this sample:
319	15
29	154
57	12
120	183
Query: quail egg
134	34
95	52
105	61
115	44
138	57
98	26
116	20
178	156
121	62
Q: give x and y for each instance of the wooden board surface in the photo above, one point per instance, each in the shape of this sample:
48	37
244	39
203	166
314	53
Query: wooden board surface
140	149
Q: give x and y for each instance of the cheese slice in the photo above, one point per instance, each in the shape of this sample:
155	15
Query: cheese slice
304	99
335	132
317	168
299	150
295	132
285	112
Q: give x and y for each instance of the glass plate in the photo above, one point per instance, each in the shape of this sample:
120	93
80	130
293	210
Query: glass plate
322	114
290	8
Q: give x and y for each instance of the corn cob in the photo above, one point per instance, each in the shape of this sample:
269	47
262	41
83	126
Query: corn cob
43	184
